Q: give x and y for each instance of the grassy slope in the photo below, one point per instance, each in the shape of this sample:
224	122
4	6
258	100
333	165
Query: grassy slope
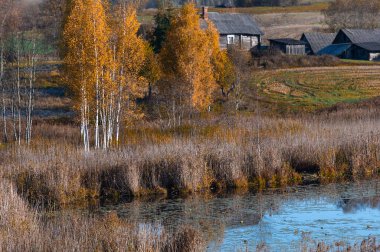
146	16
308	89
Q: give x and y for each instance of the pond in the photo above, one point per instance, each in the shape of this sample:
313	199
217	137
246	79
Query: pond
283	220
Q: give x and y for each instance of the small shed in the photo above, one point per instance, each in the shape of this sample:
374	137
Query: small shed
366	51
316	41
289	46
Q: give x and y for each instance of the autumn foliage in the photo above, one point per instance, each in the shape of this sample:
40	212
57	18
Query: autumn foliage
109	66
187	57
104	62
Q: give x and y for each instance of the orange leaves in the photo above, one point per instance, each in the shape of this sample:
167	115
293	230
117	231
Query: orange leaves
97	54
131	53
104	66
186	57
223	68
86	36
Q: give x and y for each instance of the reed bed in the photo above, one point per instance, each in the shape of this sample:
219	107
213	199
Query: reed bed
24	228
206	156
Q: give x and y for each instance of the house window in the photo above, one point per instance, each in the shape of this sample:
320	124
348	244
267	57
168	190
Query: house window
230	39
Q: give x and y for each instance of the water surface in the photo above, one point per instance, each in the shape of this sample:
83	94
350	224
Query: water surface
284	220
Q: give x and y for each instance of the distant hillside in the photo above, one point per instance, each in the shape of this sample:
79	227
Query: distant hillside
240	3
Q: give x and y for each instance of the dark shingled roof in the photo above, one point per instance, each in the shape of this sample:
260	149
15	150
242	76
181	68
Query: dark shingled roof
288	41
318	40
370	46
362	35
335	49
227	23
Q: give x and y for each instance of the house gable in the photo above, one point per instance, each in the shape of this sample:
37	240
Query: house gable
237	29
354	36
316	41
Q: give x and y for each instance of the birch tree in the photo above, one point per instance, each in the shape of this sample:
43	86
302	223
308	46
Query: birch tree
104	68
86	35
186	56
31	58
76	65
5	11
223	67
131	52
9	26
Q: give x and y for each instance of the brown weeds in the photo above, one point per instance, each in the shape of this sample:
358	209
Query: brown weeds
213	154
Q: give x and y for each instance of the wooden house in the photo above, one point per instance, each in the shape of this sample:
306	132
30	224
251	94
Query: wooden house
316	41
288	46
240	30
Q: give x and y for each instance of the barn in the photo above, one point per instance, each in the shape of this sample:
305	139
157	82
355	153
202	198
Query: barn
366	51
359	44
241	30
289	46
354	36
316	41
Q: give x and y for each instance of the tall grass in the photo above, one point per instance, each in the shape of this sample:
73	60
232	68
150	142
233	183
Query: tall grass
209	155
25	229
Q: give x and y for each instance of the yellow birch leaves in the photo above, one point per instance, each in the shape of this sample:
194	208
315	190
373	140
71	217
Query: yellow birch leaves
109	66
186	56
104	62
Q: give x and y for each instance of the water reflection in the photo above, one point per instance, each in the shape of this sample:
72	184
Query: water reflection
282	219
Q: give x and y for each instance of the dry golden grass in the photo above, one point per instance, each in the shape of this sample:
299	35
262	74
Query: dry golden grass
207	155
24	228
204	156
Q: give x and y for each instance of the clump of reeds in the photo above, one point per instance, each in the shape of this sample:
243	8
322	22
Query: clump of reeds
17	223
23	228
213	154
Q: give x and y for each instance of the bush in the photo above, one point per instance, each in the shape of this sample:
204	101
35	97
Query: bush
290	61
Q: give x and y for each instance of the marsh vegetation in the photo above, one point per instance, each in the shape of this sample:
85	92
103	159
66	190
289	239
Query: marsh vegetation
82	134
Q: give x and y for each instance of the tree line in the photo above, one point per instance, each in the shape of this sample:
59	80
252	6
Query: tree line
19	53
360	14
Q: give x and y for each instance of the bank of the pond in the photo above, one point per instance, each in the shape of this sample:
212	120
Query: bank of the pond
25	228
301	218
118	176
244	153
333	217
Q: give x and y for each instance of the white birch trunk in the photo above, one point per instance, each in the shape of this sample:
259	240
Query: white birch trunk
18	92
2	84
110	120
97	144
118	111
84	111
29	121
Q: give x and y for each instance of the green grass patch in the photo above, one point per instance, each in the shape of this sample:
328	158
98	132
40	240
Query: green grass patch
308	90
